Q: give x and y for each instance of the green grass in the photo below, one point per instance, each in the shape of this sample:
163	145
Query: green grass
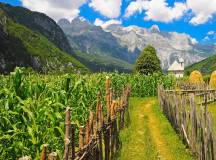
136	146
206	66
37	45
25	42
174	143
212	110
138	140
101	62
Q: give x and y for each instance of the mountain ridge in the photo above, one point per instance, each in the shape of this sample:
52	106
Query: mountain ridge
169	45
23	47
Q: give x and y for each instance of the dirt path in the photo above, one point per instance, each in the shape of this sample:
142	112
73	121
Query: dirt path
158	139
150	136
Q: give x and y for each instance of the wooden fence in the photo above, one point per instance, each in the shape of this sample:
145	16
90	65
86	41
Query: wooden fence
190	119
99	138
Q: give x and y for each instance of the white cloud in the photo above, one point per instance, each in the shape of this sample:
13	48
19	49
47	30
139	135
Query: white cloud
98	22
203	10
157	10
108	8
104	24
135	6
193	41
206	38
56	9
210	33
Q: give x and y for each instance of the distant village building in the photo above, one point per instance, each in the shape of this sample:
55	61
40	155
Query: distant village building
177	68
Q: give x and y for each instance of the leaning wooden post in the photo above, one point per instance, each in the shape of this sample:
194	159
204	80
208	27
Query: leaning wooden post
67	133
206	105
112	128
106	129
87	133
99	121
108	97
73	128
43	153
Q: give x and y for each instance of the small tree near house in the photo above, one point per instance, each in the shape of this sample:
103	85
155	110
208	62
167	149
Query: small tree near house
148	62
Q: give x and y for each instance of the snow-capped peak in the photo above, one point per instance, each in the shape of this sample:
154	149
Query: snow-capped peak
155	29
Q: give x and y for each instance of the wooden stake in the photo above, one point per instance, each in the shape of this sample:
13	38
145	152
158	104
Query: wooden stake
73	128
67	133
81	137
108	96
43	153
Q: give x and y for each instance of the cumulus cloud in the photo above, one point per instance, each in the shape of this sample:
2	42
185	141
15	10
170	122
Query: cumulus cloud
211	33
104	24
206	38
203	10
56	9
193	41
135	6
108	8
157	10
98	22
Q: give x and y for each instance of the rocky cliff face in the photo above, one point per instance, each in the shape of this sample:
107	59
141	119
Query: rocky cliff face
126	43
86	37
169	45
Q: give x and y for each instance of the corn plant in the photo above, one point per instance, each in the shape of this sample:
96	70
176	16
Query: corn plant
32	106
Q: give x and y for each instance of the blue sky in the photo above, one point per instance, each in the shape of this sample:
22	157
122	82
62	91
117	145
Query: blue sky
194	17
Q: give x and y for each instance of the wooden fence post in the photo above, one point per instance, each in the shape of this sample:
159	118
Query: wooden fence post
108	97
67	133
113	128
81	137
43	153
72	140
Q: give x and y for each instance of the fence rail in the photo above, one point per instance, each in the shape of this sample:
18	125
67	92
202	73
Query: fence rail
99	138
191	120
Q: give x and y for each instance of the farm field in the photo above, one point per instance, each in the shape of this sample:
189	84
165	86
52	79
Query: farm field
33	114
150	135
33	106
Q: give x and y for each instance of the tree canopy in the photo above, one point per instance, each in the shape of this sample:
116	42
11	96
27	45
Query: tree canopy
148	62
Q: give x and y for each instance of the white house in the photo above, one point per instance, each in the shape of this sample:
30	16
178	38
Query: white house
177	68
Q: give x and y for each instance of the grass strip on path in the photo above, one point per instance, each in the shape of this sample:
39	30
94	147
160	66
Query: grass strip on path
150	135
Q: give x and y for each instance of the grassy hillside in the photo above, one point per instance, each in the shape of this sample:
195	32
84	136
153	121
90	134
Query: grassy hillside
38	22
99	62
21	46
206	66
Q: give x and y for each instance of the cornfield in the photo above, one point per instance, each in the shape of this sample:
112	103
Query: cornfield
32	106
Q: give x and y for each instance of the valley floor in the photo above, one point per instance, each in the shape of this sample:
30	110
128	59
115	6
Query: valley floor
150	135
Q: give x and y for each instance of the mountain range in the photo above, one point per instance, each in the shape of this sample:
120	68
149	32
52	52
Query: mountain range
125	43
32	39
